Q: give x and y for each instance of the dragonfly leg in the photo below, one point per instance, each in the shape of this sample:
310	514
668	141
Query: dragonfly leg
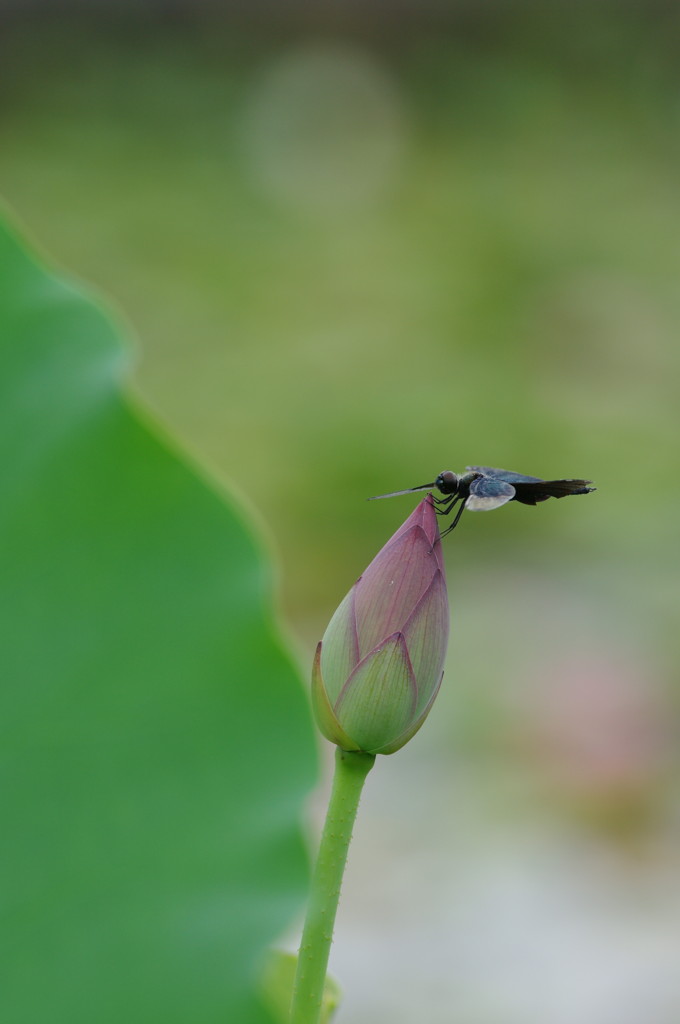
454	524
449	502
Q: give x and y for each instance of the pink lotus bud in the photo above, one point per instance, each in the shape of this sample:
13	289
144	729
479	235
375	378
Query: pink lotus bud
379	666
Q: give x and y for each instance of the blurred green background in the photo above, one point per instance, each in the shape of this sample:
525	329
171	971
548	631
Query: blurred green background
360	245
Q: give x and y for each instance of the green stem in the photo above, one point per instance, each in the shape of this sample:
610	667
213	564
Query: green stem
351	770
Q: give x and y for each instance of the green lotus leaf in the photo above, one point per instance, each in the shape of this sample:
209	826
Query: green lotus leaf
156	741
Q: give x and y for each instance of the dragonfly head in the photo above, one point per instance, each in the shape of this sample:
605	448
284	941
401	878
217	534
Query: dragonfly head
447	482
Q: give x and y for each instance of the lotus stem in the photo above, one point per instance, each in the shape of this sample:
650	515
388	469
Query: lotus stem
351	769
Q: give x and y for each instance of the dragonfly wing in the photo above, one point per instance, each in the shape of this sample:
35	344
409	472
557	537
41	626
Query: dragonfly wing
532	489
487	493
504	474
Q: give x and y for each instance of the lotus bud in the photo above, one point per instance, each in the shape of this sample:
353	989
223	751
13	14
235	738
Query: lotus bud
379	666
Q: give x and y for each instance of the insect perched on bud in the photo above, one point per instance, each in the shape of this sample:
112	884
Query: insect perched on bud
379	666
482	488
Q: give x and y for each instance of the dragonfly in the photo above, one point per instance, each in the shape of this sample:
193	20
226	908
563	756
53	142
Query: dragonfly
482	488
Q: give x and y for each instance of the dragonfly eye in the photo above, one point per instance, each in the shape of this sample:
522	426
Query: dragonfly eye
447	482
